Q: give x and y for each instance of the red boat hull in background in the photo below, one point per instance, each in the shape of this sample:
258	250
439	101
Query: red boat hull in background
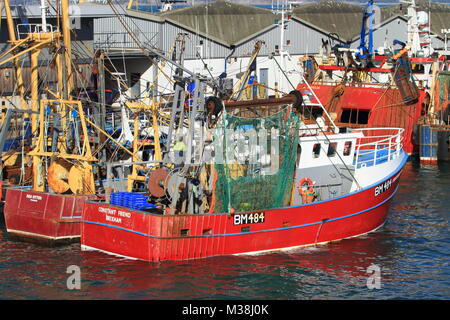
44	216
153	237
386	108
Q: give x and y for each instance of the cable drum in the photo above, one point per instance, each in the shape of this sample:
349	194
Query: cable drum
58	176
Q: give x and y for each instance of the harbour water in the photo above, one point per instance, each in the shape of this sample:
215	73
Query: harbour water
411	252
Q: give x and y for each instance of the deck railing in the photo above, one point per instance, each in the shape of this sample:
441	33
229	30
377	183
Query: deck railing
24	30
379	145
110	41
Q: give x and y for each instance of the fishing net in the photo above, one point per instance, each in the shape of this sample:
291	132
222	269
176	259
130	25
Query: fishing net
442	94
404	81
255	161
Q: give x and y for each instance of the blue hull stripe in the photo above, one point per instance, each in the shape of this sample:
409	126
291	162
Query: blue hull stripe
250	232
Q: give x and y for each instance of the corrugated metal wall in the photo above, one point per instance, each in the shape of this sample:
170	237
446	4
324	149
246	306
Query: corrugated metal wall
303	40
393	30
208	48
110	34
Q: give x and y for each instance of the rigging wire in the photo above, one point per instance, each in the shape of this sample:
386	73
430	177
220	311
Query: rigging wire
325	135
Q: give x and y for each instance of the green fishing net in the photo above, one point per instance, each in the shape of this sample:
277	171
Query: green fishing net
444	87
255	161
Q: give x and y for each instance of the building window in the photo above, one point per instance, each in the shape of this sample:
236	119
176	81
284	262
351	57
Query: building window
134	78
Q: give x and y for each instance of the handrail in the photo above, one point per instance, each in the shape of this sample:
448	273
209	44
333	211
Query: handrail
385	148
34	28
358	84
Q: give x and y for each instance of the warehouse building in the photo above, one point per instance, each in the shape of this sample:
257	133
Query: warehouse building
219	37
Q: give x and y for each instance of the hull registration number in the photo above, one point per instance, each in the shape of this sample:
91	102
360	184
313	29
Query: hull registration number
383	187
247	218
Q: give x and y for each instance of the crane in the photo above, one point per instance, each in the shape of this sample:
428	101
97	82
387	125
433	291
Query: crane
365	52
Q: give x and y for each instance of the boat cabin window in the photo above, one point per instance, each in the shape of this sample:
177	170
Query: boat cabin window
299	153
310	112
316	150
332	149
356	116
418	68
347	148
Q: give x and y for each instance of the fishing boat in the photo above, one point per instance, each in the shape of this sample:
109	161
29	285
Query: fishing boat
62	171
244	176
387	88
368	105
319	185
66	148
434	127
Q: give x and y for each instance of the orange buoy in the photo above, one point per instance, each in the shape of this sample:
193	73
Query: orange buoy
306	190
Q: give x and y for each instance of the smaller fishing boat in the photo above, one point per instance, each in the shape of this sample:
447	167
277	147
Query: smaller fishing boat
61	171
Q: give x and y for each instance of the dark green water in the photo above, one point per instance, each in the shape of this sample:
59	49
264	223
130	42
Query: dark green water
412	251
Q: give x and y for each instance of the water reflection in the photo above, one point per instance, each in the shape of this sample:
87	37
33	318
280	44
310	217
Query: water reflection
412	250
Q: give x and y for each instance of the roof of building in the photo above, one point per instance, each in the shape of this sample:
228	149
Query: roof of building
344	18
341	18
228	22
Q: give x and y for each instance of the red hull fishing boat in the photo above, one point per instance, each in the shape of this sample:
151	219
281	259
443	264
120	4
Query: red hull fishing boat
50	209
239	177
43	216
151	237
387	87
62	173
327	186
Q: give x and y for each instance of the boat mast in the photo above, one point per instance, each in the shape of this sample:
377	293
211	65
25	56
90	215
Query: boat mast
41	38
67	47
17	67
412	26
43	16
237	95
79	174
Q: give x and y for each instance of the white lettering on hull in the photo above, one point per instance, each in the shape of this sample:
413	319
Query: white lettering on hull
383	187
113	219
113	215
33	197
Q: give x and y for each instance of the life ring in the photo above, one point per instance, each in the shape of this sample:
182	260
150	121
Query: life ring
302	183
308	194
